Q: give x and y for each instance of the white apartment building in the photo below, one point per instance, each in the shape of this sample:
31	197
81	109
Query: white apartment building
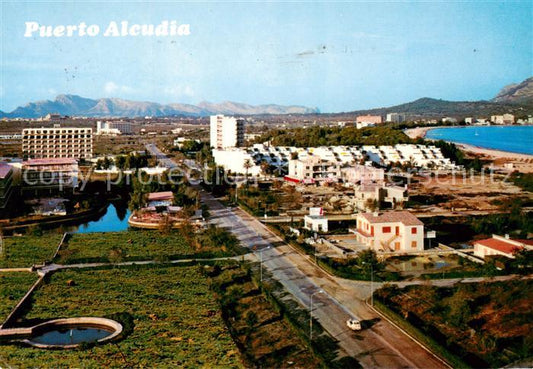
226	132
57	142
396	118
502	119
344	156
314	168
113	128
234	160
394	231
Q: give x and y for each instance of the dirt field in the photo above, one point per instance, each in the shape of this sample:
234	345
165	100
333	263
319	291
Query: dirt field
472	192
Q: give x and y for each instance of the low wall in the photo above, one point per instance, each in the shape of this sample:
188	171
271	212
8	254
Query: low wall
19	308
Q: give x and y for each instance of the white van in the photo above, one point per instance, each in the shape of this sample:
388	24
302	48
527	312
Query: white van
354	324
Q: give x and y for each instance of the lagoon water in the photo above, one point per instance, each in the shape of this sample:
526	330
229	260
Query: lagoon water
518	139
111	221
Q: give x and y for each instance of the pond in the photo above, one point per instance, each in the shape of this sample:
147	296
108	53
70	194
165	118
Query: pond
112	221
72	336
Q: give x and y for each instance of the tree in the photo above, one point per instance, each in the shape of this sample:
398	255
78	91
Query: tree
372	204
120	162
247	165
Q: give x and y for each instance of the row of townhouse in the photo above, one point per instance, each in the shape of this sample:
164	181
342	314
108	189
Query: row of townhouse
416	155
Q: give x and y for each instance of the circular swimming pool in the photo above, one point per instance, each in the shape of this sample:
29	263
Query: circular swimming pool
70	333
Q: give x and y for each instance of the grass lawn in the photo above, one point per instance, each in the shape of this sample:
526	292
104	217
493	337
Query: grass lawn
136	245
12	287
27	250
176	319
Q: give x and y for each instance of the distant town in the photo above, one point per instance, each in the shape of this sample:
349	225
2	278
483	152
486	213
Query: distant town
294	242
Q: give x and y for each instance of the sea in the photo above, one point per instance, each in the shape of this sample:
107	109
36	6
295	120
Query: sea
517	139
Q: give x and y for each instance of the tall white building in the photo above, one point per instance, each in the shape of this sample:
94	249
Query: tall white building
57	142
226	132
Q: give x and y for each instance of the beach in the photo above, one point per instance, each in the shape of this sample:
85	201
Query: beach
419	132
504	160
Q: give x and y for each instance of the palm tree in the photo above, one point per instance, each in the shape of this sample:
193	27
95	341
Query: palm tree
247	165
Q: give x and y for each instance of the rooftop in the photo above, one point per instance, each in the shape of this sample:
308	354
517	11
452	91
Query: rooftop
50	161
158	196
508	247
404	217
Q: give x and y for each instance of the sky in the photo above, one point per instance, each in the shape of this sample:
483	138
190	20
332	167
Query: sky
336	56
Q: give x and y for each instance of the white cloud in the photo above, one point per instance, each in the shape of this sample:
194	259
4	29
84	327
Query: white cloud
178	91
111	87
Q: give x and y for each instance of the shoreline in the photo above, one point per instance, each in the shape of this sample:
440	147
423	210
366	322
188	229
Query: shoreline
420	132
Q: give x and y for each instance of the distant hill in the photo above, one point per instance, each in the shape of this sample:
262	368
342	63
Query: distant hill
428	107
516	99
516	93
74	105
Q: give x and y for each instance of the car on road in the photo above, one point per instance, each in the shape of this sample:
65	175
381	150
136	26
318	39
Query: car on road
354	324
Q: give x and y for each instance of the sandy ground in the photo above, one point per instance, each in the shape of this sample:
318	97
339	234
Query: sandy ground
418	131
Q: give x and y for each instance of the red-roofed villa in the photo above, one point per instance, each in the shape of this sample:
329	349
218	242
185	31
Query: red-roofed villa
398	231
498	245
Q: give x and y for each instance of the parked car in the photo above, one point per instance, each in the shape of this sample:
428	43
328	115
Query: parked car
354	324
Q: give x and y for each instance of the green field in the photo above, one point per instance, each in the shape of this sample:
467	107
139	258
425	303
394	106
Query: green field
141	245
12	287
27	250
177	321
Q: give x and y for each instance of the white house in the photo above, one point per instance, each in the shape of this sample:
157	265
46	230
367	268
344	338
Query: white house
316	221
498	245
397	231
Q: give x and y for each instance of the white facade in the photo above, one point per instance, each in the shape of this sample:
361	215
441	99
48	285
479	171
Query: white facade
113	128
498	245
234	160
396	118
314	168
502	119
71	142
395	231
317	223
341	156
226	132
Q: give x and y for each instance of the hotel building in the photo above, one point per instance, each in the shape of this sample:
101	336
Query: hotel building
57	142
50	174
226	132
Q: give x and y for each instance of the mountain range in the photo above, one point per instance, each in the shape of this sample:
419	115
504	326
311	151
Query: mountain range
73	105
515	98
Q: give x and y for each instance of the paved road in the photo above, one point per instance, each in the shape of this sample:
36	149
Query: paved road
381	345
